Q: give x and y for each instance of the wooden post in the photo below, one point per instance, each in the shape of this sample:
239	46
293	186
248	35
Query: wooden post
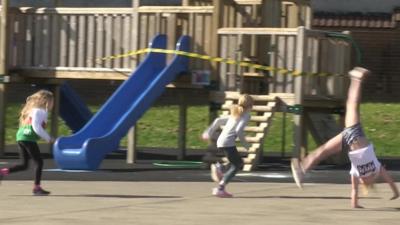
3	72
216	24
56	3
171	32
283	144
131	148
182	131
308	16
54	115
298	93
271	9
3	110
185	2
132	143
135	27
293	19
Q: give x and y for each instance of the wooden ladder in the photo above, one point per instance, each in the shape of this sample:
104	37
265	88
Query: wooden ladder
256	130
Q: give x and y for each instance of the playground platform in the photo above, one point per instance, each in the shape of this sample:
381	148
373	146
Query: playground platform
143	194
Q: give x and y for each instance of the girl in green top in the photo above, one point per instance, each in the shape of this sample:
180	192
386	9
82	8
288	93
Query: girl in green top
32	120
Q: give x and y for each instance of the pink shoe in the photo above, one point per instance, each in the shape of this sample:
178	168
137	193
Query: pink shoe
4	171
38	191
216	172
221	193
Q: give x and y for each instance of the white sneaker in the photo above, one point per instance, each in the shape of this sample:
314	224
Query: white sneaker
358	73
297	172
216	172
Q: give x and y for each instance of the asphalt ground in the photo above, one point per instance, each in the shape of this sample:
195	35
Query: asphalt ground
146	193
160	165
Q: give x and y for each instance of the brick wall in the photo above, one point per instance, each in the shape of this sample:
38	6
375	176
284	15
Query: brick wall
380	46
381	54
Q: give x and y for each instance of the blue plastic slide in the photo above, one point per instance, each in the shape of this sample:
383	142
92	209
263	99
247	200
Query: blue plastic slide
102	134
73	110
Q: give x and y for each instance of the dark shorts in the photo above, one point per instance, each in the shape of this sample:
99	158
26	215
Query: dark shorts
350	134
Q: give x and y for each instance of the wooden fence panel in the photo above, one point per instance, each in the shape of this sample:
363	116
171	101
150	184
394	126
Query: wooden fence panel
55	38
108	40
91	41
63	41
82	41
74	37
28	47
126	41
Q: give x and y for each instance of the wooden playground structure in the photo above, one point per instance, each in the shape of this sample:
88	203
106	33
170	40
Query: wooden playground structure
51	45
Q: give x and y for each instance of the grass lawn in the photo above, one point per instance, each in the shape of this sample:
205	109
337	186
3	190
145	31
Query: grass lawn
159	128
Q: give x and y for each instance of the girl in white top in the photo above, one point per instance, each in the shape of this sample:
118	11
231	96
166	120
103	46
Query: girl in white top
33	120
233	128
365	167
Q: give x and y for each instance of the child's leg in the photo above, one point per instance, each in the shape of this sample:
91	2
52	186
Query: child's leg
235	163
334	145
331	147
23	165
354	96
388	179
34	151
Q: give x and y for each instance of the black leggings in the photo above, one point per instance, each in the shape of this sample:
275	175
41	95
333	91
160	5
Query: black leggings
235	163
26	149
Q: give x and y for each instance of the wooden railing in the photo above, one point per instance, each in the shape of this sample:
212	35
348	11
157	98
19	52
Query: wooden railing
70	39
297	49
75	37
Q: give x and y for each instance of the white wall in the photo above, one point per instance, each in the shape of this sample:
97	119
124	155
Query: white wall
386	6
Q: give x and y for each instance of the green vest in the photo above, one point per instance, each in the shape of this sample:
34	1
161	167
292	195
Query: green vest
26	133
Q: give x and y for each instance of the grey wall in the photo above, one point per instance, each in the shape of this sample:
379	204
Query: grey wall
365	6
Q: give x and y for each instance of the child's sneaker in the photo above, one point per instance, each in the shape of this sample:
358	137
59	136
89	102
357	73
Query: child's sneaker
358	73
3	172
297	172
38	191
221	193
216	172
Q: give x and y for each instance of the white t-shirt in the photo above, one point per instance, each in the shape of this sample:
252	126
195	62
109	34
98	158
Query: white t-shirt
364	162
234	127
39	118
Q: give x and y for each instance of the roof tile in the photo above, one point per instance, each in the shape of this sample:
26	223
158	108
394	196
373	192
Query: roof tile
355	19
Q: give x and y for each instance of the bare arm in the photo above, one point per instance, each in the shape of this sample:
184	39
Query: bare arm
354	192
388	179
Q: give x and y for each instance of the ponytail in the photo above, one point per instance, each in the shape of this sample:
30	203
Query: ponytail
245	103
237	111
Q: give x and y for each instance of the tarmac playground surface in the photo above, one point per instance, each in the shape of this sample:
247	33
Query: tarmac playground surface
144	194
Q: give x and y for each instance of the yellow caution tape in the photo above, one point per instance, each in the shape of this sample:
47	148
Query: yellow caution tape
219	60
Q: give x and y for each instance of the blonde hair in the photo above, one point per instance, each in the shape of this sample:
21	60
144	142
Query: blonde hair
368	185
245	102
367	188
40	99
